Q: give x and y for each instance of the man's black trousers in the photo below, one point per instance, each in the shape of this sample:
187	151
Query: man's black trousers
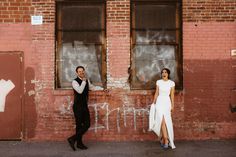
82	121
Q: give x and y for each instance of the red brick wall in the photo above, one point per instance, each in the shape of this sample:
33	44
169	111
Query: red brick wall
209	35
19	11
14	11
209	10
118	43
202	107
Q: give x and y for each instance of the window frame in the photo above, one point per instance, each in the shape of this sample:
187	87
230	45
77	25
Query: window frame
177	43
58	38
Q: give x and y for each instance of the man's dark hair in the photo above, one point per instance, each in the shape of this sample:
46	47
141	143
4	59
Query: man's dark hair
167	70
79	67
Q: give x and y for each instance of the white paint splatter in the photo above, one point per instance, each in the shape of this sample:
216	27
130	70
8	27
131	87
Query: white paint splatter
66	106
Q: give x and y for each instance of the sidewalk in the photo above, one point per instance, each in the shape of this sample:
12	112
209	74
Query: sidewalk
209	148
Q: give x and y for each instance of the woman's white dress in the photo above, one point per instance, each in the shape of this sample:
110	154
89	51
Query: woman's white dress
163	110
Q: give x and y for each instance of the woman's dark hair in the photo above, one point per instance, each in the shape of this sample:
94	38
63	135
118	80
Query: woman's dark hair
167	70
79	67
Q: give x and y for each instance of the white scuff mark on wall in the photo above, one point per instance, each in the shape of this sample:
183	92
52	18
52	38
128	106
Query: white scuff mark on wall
34	81
39	86
107	118
187	68
31	92
96	117
117	82
5	88
117	117
66	106
197	100
127	105
124	114
96	107
134	120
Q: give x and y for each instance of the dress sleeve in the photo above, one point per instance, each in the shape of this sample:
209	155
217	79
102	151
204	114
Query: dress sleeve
172	84
158	83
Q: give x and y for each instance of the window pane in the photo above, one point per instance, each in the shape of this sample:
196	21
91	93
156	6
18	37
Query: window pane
156	43
150	59
155	36
80	54
81	17
155	16
85	37
80	41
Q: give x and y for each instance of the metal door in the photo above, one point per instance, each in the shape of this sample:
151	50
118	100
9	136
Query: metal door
11	88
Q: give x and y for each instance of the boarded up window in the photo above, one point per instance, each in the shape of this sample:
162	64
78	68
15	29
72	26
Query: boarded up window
80	31
156	32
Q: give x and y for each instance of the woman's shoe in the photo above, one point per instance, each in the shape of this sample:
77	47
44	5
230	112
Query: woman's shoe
165	146
162	142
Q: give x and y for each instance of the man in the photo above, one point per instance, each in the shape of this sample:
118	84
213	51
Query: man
81	86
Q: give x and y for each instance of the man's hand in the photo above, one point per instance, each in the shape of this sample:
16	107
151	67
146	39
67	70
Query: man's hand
106	90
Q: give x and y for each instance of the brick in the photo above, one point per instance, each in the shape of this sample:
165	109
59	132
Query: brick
217	10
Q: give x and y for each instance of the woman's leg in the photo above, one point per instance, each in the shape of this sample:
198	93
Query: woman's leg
164	131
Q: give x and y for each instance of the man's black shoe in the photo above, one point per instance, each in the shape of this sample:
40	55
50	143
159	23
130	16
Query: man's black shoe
71	143
82	146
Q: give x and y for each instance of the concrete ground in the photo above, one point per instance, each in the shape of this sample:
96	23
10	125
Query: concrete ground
209	148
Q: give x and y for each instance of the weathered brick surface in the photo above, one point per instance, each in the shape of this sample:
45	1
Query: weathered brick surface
15	11
118	42
202	107
209	10
18	11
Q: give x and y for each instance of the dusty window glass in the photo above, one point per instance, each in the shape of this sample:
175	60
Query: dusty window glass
80	40
156	34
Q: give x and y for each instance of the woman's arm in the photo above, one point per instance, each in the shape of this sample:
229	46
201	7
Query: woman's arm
156	94
172	96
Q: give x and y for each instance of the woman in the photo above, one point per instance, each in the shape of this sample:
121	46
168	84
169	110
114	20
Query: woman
164	105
